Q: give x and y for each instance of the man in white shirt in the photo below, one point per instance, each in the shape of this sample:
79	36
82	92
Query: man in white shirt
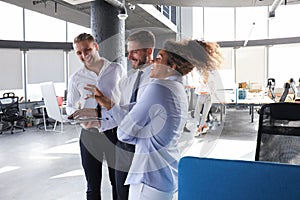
140	46
94	144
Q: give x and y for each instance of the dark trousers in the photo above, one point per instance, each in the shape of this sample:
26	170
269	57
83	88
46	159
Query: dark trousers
124	156
93	147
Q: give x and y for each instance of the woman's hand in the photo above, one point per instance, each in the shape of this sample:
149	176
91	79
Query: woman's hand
102	100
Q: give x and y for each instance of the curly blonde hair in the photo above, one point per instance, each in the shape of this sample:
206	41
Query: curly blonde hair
187	54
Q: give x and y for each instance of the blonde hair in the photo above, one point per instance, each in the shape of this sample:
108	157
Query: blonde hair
187	54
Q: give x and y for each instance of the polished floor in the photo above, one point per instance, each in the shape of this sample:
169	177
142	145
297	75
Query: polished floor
37	165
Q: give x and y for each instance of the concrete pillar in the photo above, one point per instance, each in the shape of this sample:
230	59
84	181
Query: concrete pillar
108	30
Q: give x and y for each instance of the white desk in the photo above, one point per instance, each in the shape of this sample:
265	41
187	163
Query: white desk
252	102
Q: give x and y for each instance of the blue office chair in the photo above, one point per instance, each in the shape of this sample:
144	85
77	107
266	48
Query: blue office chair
217	179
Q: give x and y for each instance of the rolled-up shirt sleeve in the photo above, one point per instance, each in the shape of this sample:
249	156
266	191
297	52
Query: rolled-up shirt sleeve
112	78
73	96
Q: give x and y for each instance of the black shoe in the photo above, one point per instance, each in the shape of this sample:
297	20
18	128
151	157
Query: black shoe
185	129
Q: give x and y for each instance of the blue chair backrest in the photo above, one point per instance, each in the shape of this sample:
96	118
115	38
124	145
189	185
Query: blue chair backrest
217	179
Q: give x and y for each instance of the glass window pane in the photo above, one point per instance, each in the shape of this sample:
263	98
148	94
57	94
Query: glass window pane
284	24
250	65
74	30
11	69
34	91
74	63
245	17
173	14
198	23
219	24
39	27
45	65
227	58
42	66
166	11
227	70
11	22
284	63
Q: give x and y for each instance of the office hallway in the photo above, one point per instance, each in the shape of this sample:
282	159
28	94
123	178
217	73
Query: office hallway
39	165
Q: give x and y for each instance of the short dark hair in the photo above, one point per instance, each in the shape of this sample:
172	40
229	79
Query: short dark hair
83	37
145	38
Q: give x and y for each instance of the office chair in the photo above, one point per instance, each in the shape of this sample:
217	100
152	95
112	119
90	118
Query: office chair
51	104
10	113
218	179
293	87
38	114
9	94
285	92
278	133
271	86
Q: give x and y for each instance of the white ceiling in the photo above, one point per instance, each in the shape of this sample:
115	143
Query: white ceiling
80	13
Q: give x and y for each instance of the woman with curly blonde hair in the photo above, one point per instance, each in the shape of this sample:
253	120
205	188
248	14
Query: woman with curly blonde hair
154	124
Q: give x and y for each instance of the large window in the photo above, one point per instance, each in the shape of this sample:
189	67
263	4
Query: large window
251	23
39	27
74	30
284	63
198	23
43	66
284	24
250	65
11	75
219	24
227	68
74	63
11	69
11	22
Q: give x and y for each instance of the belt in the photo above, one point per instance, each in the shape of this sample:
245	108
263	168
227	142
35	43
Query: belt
92	130
126	146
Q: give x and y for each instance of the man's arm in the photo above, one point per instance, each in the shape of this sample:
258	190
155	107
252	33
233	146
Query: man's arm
73	96
116	76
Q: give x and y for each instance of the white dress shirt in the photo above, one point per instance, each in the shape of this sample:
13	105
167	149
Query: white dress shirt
124	90
107	80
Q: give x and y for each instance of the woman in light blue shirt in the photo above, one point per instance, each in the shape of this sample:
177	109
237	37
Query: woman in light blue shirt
157	119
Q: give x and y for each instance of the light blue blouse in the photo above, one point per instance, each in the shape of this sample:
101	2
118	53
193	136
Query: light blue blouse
154	125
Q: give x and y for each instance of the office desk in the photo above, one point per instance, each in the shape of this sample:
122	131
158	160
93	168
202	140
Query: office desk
252	102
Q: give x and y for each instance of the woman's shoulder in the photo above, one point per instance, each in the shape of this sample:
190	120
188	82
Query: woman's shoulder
164	85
